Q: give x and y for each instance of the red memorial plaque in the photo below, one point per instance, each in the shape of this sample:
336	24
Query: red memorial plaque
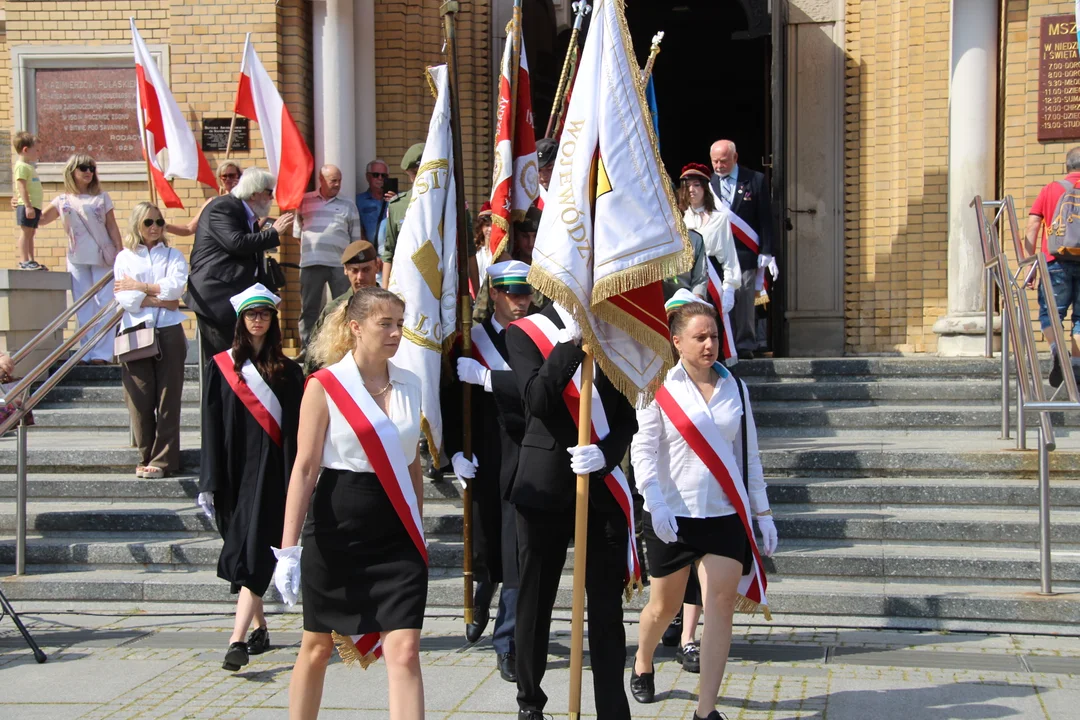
89	110
1059	79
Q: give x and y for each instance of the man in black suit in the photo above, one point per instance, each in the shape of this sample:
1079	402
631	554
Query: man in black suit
498	427
746	194
227	256
543	494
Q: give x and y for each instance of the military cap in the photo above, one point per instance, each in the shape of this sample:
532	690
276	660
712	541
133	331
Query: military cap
412	156
360	251
545	152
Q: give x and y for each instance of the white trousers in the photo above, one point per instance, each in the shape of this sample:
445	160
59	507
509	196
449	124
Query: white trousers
83	278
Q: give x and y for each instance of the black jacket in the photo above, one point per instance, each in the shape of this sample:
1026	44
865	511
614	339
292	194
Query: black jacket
225	259
751	203
544	479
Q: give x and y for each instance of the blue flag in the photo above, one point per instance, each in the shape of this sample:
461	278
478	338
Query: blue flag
650	97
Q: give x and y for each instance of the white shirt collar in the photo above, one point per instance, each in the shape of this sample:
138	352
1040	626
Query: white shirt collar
679	372
495	325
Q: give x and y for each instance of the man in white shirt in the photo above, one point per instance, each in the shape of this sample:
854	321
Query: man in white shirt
326	224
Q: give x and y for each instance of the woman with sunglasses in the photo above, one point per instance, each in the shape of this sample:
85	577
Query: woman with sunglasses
93	243
150	277
228	174
250	413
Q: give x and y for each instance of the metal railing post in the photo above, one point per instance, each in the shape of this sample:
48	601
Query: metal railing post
988	351
1044	515
20	499
1005	312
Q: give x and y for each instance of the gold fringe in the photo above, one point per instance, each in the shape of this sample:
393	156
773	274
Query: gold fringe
633	587
746	605
434	450
546	284
349	653
431	84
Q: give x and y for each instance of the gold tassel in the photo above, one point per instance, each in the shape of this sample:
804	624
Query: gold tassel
349	653
748	606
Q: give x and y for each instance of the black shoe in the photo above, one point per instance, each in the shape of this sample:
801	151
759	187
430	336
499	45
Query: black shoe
690	657
673	633
746	355
1056	377
532	715
507	664
643	686
258	641
714	715
236	657
475	630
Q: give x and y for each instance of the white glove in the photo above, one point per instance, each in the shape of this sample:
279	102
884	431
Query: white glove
463	469
571	331
287	573
663	520
768	261
586	459
768	534
727	300
206	502
472	372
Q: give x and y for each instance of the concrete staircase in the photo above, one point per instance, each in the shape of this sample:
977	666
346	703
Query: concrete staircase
895	503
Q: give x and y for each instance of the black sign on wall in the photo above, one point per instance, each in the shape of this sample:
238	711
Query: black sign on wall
215	134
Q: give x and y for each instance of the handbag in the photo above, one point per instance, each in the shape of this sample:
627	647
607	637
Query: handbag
273	275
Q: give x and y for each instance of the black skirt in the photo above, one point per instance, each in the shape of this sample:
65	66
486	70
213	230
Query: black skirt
360	570
697	537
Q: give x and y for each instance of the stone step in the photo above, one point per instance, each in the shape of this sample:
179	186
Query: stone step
877	367
924	604
101	417
865	415
1064	491
82	396
82	375
870	390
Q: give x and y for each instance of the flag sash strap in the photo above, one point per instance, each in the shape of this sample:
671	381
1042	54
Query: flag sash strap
254	393
543	333
484	349
727	341
377	437
745	234
703	437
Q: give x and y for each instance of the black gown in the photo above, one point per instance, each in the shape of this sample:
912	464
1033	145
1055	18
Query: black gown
248	474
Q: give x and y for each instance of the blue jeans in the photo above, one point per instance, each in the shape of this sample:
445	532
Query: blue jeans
503	637
1065	280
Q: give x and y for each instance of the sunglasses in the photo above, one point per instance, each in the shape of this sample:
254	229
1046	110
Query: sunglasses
86	168
160	222
380	175
230	176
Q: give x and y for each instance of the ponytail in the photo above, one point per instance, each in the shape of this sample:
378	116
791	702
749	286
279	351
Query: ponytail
334	339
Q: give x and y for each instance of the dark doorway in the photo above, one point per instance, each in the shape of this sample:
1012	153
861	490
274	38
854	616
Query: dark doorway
712	79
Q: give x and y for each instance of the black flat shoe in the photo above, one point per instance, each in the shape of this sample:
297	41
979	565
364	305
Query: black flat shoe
673	633
236	657
475	630
714	715
643	686
689	655
532	715
507	664
258	641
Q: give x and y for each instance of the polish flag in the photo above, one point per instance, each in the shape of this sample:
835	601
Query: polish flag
287	154
165	128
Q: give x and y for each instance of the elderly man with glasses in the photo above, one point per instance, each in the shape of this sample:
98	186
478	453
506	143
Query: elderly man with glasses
372	203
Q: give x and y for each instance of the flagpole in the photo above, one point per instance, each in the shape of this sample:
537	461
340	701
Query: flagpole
515	73
581	533
232	124
654	50
228	143
146	155
449	10
582	9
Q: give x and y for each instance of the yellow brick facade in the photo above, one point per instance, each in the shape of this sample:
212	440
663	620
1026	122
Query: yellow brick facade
206	40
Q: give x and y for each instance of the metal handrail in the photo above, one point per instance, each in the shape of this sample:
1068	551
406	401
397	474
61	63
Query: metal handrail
113	312
1016	328
61	319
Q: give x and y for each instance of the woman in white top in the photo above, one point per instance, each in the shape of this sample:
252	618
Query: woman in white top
482	235
695	520
150	277
93	242
714	223
364	561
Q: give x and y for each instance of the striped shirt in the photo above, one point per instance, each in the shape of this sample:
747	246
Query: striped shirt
325	228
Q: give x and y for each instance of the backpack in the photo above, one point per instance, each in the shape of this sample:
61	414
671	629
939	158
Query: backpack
1063	235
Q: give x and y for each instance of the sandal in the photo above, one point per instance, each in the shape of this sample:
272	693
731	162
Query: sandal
140	471
153	473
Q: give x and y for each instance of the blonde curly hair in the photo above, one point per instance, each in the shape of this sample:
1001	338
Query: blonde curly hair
335	340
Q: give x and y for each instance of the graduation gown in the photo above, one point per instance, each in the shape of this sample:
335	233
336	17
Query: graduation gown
248	473
498	424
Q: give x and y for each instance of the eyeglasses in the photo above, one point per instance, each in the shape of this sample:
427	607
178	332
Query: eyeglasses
86	168
259	314
380	175
230	176
160	222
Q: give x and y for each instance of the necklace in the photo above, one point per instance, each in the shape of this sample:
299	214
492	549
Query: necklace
381	392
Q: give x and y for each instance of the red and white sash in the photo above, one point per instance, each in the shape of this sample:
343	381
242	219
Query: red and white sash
254	392
484	350
716	292
704	438
377	439
744	233
542	331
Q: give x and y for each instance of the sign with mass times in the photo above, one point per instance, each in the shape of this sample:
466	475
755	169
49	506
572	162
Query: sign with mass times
1059	79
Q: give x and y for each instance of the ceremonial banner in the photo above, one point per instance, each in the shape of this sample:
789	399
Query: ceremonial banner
611	231
425	263
165	127
287	155
515	183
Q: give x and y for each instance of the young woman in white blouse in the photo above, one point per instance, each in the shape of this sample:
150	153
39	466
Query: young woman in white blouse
150	277
701	213
695	445
364	562
93	242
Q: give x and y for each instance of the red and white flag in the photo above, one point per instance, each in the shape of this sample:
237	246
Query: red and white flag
165	129
516	181
287	155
